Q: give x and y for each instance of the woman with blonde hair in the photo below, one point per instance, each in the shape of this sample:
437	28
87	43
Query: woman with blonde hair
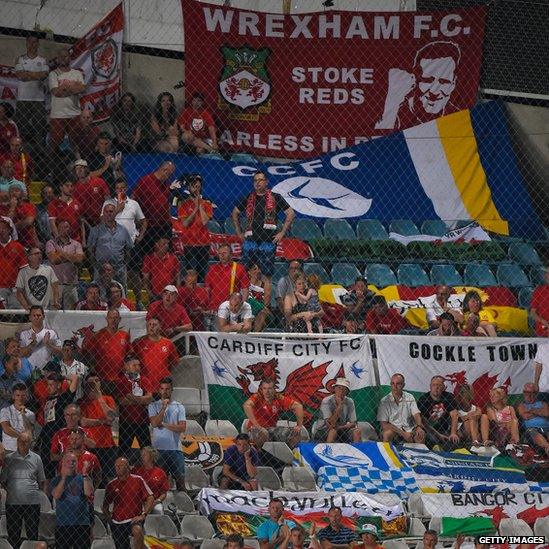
500	421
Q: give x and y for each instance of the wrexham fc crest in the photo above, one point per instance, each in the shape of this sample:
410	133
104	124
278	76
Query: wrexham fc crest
245	88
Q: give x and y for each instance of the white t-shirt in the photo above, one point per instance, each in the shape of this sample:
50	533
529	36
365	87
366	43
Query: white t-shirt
64	107
33	90
15	419
40	354
131	213
36	284
78	368
542	357
244	313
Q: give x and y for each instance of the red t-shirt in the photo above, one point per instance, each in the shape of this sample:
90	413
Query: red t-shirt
91	195
156	479
389	323
162	270
12	258
157	357
108	352
540	302
218	282
40	390
133	413
127	496
7	131
26	235
194	299
67	211
100	434
267	414
153	197
177	316
60	441
196	121
196	234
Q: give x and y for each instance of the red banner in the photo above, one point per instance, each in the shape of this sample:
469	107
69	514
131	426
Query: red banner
302	85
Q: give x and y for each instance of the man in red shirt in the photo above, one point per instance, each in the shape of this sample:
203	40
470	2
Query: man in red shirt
173	316
90	192
85	459
23	214
160	269
21	160
382	320
194	298
134	394
108	347
157	354
225	278
66	208
60	440
132	501
198	126
12	258
85	135
263	410
539	307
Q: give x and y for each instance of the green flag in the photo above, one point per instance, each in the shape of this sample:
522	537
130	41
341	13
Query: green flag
451	526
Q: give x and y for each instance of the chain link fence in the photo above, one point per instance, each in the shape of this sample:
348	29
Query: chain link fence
219	267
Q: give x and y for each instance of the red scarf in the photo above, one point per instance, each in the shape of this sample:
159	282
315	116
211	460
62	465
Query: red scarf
270	212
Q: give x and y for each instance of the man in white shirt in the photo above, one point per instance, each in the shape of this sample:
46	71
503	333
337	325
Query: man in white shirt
70	366
16	419
235	315
65	85
399	415
39	343
31	70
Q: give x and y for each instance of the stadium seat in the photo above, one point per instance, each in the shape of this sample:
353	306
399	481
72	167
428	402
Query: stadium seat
196	527
279	450
45	503
416	528
195	478
188	373
214	226
287	423
434	227
5	544
338	229
106	543
3	527
161	527
189	397
99	530
298	479
344	273
511	276
253	543
523	254
479	275
537	275
220	428
98	498
415	506
435	524
244	158
525	297
371	229
405	227
367	431
541	527
412	274
379	275
317	269
212	156
306	229
394	544
46	527
212	544
182	502
446	274
193	428
267	479
514	527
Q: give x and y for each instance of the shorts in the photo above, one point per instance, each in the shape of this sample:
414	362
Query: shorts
530	432
276	434
262	253
344	436
121	534
173	462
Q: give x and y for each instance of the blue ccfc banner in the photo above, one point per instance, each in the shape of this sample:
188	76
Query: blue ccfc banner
460	167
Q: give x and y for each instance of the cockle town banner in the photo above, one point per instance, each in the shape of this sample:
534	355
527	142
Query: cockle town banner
300	85
304	369
484	363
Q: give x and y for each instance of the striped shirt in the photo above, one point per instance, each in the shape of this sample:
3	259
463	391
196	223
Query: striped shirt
343	536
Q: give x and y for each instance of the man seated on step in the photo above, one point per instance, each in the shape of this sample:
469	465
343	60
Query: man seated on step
263	411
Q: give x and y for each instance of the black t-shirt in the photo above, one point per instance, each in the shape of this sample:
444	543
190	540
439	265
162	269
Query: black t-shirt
259	234
437	412
54	408
95	162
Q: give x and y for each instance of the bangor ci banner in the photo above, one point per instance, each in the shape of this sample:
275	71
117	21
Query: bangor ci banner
303	369
361	74
484	363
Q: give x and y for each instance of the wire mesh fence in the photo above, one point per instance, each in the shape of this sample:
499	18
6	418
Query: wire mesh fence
288	291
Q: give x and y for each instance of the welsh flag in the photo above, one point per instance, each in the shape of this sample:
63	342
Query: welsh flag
304	369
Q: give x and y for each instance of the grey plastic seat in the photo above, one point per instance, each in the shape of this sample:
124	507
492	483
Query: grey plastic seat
367	431
182	502
5	544
412	274
106	543
99	530
298	479
267	479
514	527
189	397
212	544
511	276
479	275
193	428
280	450
287	423
46	526
45	503
338	229
416	528
317	269
220	428
306	229
434	227
196	478
435	524
415	505
196	527
98	499
161	527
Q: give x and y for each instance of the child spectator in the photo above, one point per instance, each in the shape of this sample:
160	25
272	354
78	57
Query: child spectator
499	425
310	298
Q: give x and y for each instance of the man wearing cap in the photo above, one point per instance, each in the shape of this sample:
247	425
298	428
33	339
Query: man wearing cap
173	316
70	366
90	191
235	315
261	234
370	537
160	269
12	258
339	415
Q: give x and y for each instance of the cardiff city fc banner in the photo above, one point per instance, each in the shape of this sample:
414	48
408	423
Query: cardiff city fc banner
304	370
459	167
484	363
240	512
98	55
299	85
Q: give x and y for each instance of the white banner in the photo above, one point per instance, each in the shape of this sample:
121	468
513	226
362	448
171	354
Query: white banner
524	505
484	363
470	233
